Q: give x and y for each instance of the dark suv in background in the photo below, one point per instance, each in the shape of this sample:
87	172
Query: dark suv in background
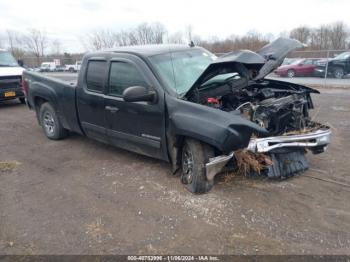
338	67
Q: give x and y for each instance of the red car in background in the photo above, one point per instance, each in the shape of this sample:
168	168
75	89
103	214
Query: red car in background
300	67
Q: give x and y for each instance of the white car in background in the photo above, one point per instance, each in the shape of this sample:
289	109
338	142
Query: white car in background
73	68
48	67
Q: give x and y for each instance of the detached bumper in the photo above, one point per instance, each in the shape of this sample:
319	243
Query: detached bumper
313	140
316	139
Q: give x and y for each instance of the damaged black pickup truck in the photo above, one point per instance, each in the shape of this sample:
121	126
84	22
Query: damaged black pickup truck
184	105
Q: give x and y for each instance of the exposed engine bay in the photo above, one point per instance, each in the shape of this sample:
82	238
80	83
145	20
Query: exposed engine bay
277	109
280	129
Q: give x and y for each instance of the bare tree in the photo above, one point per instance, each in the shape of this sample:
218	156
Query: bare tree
176	38
148	34
36	42
301	33
323	37
123	38
339	33
15	43
141	35
159	32
101	39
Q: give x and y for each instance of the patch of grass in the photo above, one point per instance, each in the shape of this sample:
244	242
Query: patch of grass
8	165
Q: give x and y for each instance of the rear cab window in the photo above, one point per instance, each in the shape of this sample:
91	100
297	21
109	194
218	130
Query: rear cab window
95	76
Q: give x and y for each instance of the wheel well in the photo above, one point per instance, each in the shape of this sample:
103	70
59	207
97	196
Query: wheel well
338	66
175	144
38	101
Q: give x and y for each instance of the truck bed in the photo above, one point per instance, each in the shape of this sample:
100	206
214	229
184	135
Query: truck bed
61	93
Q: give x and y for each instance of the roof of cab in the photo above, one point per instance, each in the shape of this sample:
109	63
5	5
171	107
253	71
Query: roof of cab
150	50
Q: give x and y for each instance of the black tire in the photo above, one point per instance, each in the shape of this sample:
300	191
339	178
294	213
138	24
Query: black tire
22	100
194	157
291	73
50	123
71	69
338	73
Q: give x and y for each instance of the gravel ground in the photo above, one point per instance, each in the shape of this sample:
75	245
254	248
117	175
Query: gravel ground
78	196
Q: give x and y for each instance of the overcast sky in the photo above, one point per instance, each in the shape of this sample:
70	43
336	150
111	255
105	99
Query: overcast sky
69	20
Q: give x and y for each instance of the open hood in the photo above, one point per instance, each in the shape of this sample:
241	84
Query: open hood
244	62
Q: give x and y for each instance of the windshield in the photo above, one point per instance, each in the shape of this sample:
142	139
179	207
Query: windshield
6	59
296	62
342	56
181	69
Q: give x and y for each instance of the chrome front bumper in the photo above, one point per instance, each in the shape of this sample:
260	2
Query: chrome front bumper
309	140
319	138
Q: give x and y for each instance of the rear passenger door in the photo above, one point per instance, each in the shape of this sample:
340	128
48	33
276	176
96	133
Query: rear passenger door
90	99
136	126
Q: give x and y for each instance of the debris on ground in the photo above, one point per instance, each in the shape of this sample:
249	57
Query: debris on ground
8	165
249	162
314	126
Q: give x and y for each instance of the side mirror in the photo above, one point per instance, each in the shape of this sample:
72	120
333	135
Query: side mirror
138	94
20	62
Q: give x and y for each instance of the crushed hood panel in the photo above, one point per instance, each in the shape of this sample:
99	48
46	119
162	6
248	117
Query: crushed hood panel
264	61
275	53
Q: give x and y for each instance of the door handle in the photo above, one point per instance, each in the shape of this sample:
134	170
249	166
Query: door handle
113	109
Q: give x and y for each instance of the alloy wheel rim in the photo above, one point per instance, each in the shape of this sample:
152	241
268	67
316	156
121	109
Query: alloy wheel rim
338	74
187	164
49	123
291	74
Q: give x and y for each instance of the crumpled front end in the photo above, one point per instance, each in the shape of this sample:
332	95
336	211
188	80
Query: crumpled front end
286	153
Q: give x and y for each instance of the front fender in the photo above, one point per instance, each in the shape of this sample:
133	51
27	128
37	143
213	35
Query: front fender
225	131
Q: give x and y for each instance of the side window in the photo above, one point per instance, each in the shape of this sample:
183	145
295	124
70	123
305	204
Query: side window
123	75
95	75
307	62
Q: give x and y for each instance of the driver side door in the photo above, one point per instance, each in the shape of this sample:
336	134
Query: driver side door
135	126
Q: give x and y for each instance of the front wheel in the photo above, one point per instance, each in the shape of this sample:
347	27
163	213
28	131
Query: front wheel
50	123
339	73
291	73
194	157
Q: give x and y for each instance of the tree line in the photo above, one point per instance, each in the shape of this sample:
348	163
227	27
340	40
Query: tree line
333	36
36	43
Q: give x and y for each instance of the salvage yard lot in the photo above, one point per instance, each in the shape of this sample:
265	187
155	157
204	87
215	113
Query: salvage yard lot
78	196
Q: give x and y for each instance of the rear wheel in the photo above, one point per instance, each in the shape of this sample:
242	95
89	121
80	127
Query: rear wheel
71	69
50	123
291	73
22	100
194	157
339	73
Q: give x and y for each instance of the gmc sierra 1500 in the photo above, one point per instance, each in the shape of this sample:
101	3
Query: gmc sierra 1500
184	105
